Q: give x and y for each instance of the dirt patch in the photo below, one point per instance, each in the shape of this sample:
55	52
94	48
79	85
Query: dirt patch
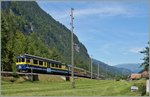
13	79
50	78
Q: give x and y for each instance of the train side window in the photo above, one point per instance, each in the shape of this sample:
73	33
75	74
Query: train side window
59	66
23	60
35	61
52	64
48	65
40	62
45	63
28	60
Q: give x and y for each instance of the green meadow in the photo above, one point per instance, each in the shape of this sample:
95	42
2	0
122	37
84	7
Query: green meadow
84	87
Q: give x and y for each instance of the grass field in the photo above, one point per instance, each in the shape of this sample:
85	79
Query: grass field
84	87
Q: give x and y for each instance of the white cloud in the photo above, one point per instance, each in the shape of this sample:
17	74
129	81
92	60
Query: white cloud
136	49
105	49
100	11
104	11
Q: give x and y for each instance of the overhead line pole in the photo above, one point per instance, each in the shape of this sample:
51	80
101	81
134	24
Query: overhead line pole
106	73
98	71
72	49
91	67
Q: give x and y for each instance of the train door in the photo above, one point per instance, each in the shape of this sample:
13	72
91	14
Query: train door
48	67
48	64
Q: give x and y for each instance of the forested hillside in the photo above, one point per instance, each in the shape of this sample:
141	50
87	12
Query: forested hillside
134	67
26	28
110	71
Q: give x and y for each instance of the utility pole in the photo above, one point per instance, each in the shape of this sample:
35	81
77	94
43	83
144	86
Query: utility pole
115	75
91	67
106	73
98	71
72	50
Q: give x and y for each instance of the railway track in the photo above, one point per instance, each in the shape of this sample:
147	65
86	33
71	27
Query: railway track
7	73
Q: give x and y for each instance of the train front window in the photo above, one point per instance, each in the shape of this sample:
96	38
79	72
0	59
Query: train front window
17	60
23	60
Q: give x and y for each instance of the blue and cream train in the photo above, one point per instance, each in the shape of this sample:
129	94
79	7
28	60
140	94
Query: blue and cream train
30	63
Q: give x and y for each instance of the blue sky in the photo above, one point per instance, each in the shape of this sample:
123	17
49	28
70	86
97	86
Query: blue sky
112	31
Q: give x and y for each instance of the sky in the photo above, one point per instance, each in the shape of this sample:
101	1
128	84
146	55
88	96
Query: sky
113	31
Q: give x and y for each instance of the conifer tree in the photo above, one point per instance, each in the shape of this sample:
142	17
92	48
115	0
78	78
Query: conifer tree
145	64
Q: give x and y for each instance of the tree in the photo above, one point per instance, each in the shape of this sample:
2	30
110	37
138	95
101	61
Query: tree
55	55
8	44
145	64
28	29
4	39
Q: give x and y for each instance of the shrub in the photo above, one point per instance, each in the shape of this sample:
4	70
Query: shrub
117	79
15	75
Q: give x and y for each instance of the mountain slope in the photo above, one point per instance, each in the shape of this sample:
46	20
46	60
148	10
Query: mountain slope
110	71
26	28
134	67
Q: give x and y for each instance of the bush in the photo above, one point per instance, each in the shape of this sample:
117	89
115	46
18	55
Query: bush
117	79
13	79
142	88
15	75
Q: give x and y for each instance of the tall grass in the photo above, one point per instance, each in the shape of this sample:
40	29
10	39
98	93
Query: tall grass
84	87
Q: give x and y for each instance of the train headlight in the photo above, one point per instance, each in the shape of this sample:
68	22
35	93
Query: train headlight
19	67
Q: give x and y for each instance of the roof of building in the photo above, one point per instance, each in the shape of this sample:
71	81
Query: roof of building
135	76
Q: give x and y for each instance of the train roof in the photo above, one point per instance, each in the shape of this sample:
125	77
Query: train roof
77	67
37	57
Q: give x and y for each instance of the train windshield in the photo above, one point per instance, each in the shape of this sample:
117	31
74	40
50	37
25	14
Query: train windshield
20	60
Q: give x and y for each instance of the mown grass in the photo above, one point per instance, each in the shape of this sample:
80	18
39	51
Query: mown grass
84	87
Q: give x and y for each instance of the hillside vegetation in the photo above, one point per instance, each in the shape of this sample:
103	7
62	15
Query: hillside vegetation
110	71
26	28
134	67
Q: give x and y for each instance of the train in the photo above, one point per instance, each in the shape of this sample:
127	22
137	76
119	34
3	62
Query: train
35	64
